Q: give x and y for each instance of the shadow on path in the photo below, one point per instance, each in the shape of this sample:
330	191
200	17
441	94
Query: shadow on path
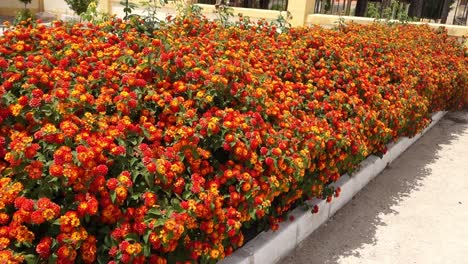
356	223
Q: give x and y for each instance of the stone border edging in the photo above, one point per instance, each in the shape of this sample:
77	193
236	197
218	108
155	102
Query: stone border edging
271	246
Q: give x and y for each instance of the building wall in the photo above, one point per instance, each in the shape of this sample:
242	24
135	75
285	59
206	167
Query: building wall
57	7
16	4
10	7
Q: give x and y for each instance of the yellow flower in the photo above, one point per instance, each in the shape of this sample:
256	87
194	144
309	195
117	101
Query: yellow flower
163	237
214	189
50	128
4	242
170	224
16	109
131	249
48	214
192	205
214	253
160	166
75	237
266	203
200	94
24	235
75	222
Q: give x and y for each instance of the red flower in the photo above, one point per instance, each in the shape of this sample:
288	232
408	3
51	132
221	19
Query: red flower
112	184
43	248
24	203
102	169
37	217
31	150
315	209
35	102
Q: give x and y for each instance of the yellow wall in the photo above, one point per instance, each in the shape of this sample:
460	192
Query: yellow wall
57	7
299	10
17	4
11	7
248	12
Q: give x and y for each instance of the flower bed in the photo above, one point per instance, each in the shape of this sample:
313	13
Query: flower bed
123	145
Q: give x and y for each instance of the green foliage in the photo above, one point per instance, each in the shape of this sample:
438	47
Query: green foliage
187	9
92	14
279	7
373	10
151	10
396	10
24	16
149	21
282	22
128	8
341	24
79	6
224	12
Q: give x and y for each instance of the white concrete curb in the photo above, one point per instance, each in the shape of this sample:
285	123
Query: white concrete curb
271	246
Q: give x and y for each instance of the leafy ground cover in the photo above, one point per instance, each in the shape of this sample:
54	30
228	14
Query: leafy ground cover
121	144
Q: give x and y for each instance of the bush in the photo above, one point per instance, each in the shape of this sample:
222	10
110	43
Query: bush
24	16
123	146
80	6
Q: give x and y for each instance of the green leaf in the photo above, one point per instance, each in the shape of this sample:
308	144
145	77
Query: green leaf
133	237
30	258
107	241
154	212
135	196
187	195
159	222
7	172
149	180
113	197
146	249
146	237
53	259
175	202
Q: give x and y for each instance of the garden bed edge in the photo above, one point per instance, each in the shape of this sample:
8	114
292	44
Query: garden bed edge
272	246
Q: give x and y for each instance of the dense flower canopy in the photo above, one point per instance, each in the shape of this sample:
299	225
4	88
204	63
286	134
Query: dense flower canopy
125	146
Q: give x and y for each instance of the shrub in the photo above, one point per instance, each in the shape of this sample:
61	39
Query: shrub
25	15
80	6
155	147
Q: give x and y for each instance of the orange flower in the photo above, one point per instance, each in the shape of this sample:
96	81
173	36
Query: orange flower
121	193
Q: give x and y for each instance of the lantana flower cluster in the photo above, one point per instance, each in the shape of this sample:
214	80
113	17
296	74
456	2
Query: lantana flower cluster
122	145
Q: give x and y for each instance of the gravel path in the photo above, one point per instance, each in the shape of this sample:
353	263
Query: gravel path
416	211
